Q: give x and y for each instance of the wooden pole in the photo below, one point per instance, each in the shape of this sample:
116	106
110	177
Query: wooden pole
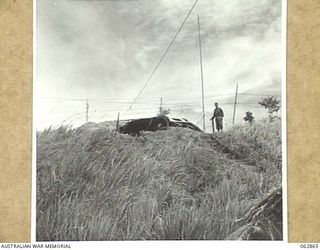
201	70
160	109
117	125
235	105
87	111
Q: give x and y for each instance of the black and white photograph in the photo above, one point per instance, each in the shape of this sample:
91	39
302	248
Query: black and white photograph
159	120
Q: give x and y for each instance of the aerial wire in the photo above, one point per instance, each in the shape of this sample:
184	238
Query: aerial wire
163	56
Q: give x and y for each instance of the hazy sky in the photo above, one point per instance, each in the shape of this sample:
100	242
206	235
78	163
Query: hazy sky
107	49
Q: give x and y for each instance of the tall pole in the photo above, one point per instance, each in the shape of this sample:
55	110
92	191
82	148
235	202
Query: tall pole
235	104
202	90
160	109
87	111
117	125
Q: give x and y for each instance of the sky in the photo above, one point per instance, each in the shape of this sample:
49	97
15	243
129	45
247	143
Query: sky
105	50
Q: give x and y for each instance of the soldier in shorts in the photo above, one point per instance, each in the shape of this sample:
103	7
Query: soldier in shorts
218	118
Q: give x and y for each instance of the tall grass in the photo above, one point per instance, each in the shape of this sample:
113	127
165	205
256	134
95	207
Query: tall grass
96	185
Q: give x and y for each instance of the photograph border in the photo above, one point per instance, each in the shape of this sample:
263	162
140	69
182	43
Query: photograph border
302	87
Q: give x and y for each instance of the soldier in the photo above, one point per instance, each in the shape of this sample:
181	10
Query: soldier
249	117
218	118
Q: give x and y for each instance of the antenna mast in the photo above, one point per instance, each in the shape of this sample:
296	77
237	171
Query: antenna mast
200	50
87	111
235	105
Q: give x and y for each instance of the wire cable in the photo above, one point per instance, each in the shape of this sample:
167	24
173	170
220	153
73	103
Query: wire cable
163	56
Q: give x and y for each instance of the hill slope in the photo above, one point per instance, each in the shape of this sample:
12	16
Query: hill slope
173	184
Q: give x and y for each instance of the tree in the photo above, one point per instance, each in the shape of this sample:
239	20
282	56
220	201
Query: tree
272	104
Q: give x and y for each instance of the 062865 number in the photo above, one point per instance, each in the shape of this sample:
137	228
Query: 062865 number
309	245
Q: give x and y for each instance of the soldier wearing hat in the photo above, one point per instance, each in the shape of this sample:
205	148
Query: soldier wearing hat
217	117
249	117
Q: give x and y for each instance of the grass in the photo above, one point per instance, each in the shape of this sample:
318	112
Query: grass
174	184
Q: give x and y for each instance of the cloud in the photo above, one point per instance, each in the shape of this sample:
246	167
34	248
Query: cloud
107	49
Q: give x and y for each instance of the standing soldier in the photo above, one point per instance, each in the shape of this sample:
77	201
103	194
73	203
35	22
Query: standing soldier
217	117
249	117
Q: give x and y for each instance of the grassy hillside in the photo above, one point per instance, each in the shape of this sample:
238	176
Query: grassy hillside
174	184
